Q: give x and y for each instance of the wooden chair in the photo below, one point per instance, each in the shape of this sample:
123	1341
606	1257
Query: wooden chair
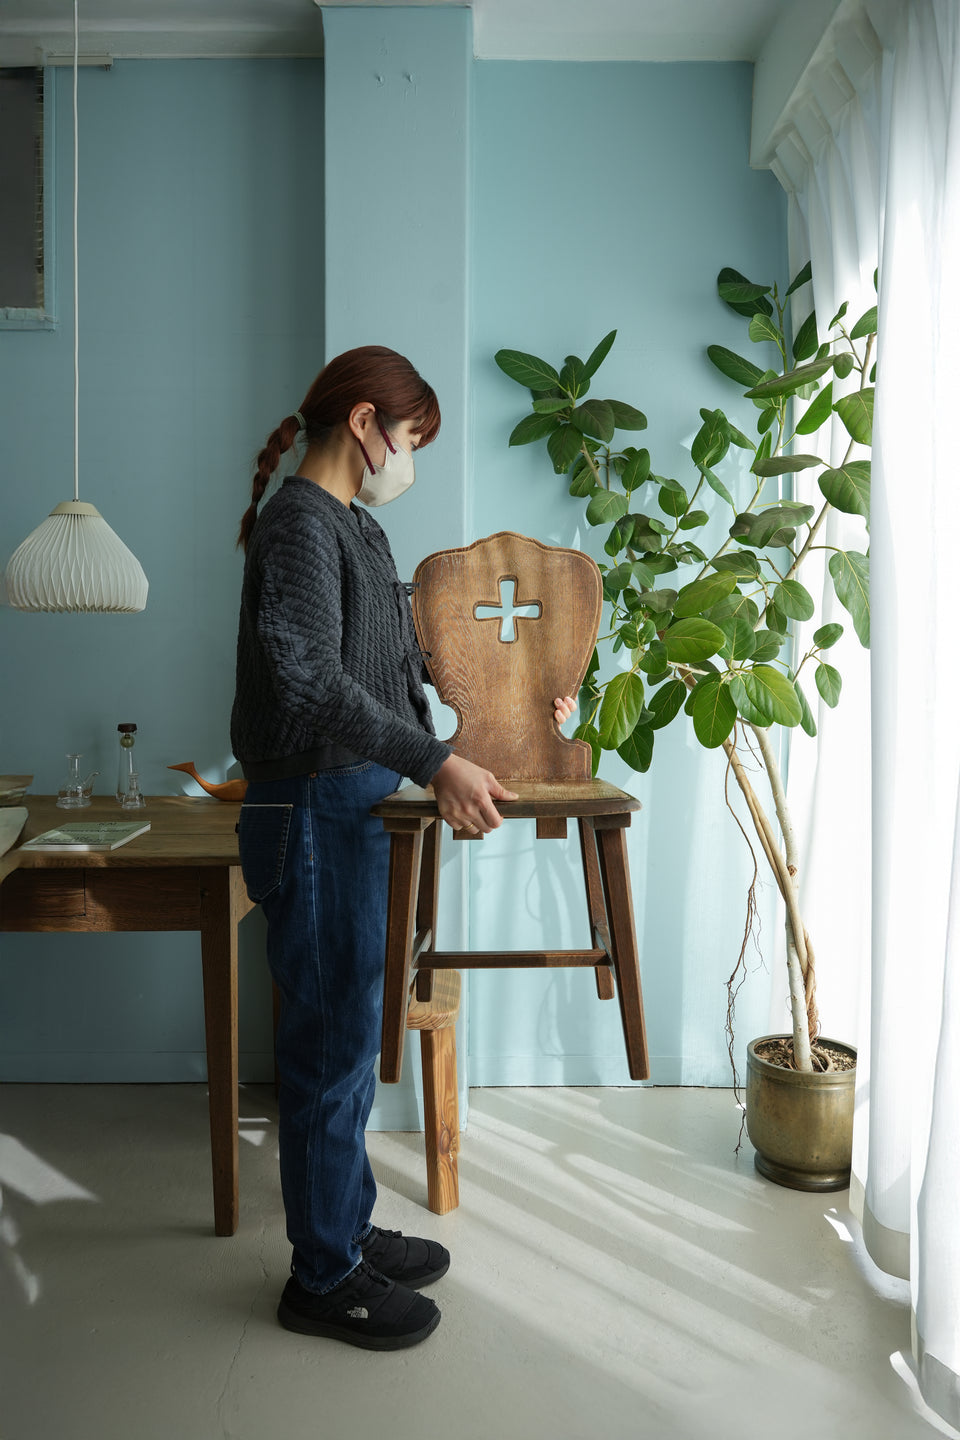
500	672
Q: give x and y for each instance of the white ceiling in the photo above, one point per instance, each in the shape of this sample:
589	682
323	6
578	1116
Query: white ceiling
31	30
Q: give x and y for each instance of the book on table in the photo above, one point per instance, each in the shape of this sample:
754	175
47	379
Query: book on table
89	835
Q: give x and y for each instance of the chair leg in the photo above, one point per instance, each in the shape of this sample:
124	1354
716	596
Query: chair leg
405	851
594	888
441	1117
615	875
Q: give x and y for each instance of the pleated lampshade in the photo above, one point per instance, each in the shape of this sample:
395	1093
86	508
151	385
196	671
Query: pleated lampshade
75	562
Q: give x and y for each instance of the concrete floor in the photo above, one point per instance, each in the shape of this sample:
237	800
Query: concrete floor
617	1272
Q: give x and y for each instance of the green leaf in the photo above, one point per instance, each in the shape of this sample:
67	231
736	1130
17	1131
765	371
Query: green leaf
734	366
620	536
573	376
637	749
583	482
772	695
848	488
829	683
655	660
713	712
741	639
807	721
620	709
673	501
817	411
689	641
550	404
592	737
733	606
790	382
700	594
803	277
594	417
660	602
866	325
739	293
694	519
843	364
747	567
792	599
738	438
606	506
767	645
839	315
774	526
533	427
805	340
784	464
827	636
598	355
746	707
627	417
667	702
851	578
528	370
563	447
636	470
712	440
762	327
718	487
856	412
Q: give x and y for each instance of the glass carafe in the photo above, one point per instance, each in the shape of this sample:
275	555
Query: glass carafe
75	792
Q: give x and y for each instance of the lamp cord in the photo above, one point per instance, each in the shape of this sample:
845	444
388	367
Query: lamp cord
76	292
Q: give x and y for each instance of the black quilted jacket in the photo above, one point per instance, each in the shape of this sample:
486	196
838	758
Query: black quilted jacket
328	669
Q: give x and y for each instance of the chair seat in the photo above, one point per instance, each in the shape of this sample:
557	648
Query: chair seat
536	799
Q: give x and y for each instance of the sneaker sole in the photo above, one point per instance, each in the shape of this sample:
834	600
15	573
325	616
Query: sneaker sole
301	1325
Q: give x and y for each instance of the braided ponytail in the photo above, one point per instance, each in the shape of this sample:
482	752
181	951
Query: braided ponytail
278	442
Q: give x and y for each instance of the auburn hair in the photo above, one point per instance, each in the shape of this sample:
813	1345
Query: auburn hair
370	372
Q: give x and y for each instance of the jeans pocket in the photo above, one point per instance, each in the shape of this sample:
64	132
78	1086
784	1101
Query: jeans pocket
262	832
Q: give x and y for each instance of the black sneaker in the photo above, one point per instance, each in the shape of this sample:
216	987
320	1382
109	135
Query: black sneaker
365	1309
404	1258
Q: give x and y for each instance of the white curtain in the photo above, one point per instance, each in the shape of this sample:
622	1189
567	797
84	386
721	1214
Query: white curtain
872	163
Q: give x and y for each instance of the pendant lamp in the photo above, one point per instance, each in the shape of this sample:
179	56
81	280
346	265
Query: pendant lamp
74	561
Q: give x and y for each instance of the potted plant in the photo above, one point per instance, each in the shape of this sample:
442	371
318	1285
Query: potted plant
713	632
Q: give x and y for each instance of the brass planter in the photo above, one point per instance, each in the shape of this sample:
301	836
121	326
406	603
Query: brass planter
801	1125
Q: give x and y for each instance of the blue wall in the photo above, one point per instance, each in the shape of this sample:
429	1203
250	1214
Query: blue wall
201	324
446	207
608	196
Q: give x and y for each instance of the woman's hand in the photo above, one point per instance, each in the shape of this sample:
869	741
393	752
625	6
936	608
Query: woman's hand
465	795
563	708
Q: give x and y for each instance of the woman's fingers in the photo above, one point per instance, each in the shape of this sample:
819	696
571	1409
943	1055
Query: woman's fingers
564	707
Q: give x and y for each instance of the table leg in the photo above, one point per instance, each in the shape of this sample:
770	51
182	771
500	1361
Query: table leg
221	907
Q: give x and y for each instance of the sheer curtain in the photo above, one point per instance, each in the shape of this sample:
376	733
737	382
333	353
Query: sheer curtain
872	163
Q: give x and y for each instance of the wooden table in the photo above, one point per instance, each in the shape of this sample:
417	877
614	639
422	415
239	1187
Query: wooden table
183	874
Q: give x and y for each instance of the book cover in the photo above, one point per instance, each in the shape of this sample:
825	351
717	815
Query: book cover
92	835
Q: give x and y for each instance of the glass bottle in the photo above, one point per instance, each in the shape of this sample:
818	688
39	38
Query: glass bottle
129	796
75	792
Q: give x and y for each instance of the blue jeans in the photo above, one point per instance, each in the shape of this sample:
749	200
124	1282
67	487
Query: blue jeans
318	863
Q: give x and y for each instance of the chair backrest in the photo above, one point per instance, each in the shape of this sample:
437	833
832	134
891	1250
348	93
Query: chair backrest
507	624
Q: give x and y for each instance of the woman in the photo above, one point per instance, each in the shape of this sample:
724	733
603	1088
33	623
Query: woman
329	716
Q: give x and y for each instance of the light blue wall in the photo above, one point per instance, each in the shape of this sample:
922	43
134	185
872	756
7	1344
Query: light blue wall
465	206
608	196
201	323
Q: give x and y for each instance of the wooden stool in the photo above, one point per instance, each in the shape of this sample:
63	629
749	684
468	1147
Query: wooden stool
501	683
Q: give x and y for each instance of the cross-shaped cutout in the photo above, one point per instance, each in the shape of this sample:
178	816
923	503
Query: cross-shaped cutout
508	609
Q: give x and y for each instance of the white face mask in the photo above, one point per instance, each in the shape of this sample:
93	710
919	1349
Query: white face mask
383	483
